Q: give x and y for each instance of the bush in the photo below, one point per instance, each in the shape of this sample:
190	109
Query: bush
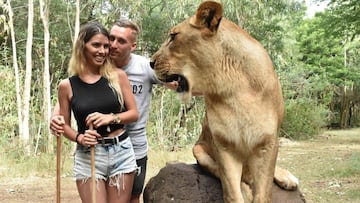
304	119
8	110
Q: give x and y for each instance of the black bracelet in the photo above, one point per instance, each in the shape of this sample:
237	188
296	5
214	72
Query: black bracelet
76	138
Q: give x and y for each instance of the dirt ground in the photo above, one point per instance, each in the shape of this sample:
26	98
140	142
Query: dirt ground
37	190
311	161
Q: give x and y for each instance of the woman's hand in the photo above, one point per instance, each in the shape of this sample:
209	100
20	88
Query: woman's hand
57	123
99	119
89	138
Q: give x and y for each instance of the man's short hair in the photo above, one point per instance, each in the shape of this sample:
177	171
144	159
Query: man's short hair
128	24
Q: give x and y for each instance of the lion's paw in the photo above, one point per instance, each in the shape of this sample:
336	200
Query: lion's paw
285	179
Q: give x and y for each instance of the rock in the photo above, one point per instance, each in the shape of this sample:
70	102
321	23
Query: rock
187	183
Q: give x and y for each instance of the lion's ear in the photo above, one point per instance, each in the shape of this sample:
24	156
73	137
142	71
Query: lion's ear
208	15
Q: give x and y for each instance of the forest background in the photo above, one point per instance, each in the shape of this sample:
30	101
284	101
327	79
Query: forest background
316	58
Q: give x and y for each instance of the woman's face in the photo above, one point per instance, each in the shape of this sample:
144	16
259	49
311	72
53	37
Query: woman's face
97	50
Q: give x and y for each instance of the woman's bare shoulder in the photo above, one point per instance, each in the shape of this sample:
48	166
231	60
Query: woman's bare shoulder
65	83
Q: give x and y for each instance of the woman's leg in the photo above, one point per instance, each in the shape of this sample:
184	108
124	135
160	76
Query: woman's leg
119	188
84	189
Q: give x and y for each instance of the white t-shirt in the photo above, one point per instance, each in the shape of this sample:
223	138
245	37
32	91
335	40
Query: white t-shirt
142	78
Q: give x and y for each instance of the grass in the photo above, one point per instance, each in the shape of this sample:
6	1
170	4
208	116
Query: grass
16	163
328	166
348	166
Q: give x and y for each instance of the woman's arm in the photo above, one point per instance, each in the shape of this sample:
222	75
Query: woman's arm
64	97
64	91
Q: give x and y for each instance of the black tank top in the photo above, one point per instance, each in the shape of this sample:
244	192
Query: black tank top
96	97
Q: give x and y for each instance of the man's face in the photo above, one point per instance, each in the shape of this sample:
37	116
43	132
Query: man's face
122	42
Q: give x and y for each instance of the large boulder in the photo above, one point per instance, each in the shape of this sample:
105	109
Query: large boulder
187	183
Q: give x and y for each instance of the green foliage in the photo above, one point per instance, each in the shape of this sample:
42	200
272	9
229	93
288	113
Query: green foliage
270	22
154	19
343	18
330	55
304	119
306	101
173	125
8	108
322	54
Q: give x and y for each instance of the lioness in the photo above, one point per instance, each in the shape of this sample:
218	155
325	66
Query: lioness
211	55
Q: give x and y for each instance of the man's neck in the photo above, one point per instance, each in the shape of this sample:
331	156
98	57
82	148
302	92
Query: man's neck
122	63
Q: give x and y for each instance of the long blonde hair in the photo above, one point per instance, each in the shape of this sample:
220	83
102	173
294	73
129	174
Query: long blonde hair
77	60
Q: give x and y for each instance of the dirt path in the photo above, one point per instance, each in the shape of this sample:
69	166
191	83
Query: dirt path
328	169
37	190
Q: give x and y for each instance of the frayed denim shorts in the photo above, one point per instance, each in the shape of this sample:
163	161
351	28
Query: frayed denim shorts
110	160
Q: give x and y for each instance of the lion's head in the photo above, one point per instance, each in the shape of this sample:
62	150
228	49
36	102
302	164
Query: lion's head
189	48
209	54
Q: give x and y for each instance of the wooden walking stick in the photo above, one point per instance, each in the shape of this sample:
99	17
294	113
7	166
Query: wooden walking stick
58	166
93	173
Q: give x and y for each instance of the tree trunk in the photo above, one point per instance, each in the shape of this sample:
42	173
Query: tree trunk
77	21
27	83
16	70
346	98
44	13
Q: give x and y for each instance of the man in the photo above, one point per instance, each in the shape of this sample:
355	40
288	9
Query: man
123	36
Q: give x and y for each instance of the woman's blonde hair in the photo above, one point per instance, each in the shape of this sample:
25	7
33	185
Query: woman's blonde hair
77	61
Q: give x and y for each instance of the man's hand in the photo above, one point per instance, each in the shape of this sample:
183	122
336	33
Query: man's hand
172	85
57	125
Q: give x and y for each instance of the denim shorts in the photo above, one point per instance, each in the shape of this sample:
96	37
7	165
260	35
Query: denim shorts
109	160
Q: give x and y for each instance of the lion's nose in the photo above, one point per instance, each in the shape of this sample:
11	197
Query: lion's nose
152	64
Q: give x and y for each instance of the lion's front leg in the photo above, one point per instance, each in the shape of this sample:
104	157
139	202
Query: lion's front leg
230	172
205	160
223	164
228	183
202	151
261	167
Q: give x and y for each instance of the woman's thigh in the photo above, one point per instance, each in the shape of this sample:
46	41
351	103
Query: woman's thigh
119	187
85	188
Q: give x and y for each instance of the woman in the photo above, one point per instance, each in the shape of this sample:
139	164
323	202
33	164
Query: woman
102	97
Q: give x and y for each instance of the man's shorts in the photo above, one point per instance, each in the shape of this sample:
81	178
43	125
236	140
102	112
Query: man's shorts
109	160
140	176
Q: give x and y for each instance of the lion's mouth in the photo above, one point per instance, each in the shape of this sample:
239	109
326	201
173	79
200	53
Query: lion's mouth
182	81
183	85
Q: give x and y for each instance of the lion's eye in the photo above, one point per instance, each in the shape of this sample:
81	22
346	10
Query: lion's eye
172	36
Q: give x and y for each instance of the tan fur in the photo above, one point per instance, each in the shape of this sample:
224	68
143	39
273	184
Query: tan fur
244	104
